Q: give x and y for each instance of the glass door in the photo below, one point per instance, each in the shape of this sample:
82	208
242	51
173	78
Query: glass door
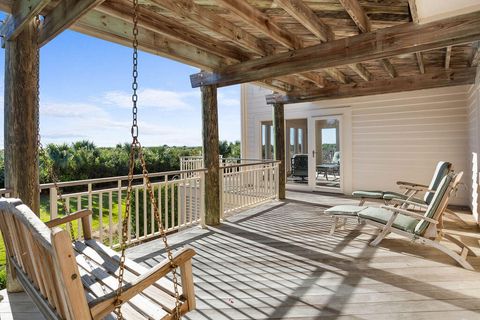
326	154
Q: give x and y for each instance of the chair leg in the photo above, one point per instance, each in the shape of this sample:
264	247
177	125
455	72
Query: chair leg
459	243
362	201
385	231
452	254
334	225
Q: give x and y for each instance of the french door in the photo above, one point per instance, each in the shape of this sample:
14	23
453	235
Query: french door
325	166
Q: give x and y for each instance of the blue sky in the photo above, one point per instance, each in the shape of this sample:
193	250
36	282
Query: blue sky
85	94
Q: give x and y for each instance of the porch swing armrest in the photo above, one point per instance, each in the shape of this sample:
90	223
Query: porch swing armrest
416	188
69	218
102	306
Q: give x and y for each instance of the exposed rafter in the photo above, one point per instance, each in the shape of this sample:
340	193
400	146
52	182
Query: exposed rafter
420	64
383	43
304	15
190	11
263	23
358	15
415	18
476	55
65	14
436	79
23	11
169	27
448	55
388	67
361	71
116	30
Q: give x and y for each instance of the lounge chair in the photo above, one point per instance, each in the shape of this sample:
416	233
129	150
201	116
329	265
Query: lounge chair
300	166
410	190
418	227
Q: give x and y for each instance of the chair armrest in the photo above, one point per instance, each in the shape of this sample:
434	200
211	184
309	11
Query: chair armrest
410	202
416	188
410	213
71	217
103	305
411	184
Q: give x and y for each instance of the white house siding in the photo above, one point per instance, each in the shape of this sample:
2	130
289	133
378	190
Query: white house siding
473	110
397	136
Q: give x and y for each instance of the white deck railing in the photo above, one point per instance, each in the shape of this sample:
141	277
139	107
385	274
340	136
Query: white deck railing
179	195
247	184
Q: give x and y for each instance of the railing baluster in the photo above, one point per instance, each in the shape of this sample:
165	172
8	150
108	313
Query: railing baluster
137	208
79	207
166	202
100	216
110	219
145	208
119	203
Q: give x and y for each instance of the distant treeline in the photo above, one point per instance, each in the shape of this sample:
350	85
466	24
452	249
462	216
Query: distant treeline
83	160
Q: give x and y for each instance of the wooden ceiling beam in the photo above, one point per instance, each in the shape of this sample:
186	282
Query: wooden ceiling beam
420	64
262	22
303	14
416	19
435	79
383	43
388	67
448	55
115	30
336	75
359	16
361	71
313	77
170	27
190	11
23	11
476	55
64	15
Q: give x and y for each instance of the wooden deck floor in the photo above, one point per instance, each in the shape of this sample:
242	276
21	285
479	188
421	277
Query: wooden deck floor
278	261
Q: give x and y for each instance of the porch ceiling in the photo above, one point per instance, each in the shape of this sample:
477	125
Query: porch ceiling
215	34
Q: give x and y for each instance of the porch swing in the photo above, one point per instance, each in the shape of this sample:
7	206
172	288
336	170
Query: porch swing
85	279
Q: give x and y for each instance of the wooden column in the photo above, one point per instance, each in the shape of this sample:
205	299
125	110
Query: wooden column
20	124
279	145
20	127
211	155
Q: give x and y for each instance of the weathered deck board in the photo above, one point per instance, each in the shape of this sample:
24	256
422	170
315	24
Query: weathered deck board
278	261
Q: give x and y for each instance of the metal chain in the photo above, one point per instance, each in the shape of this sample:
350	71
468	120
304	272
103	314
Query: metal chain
41	149
136	147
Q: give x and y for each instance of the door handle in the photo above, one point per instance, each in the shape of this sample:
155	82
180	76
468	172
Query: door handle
313	153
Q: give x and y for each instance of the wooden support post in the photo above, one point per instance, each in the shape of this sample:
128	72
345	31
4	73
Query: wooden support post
20	123
279	145
21	165
210	155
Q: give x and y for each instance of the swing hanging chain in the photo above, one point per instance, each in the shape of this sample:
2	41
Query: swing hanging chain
137	148
51	171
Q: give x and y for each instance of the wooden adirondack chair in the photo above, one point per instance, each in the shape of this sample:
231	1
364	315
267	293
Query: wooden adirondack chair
79	282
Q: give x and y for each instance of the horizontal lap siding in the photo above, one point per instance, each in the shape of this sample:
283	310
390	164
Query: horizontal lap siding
473	110
403	139
398	136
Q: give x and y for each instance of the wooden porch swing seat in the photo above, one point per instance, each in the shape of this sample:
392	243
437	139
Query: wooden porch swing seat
80	282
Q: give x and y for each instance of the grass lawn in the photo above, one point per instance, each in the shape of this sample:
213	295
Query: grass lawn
45	216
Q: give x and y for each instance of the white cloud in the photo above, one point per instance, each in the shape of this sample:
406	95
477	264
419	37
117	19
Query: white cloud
224	100
71	110
153	98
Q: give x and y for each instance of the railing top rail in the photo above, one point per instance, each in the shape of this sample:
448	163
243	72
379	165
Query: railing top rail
112	179
250	164
3	191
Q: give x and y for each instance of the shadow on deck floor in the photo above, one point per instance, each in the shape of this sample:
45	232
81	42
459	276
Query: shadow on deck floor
278	261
